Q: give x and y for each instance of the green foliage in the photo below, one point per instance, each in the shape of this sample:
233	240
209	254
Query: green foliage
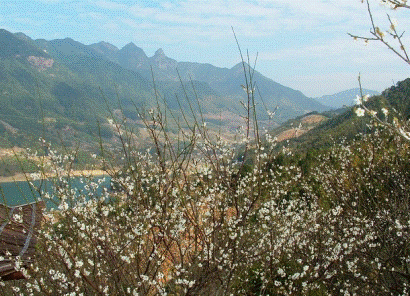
9	165
344	125
398	97
300	222
12	46
205	217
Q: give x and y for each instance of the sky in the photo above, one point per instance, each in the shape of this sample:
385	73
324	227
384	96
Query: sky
302	44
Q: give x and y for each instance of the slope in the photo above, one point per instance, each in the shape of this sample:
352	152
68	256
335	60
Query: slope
344	124
226	83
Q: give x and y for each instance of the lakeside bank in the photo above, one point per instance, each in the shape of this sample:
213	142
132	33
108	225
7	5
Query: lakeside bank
79	173
18	192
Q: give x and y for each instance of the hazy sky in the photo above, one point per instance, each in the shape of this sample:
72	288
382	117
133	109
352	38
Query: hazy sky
302	44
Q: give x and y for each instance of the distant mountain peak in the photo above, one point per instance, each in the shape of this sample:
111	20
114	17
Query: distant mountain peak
132	48
130	45
131	56
17	46
344	98
159	53
161	61
71	40
105	49
107	45
22	36
239	67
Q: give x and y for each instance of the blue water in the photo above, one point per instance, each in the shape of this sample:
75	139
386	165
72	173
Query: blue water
18	193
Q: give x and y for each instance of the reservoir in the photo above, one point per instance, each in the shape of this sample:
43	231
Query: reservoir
20	192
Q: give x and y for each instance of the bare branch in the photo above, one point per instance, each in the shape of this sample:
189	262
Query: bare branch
378	34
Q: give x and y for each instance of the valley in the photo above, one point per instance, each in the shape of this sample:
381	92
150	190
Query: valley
70	94
204	148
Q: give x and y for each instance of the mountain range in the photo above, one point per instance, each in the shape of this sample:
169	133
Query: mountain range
344	98
63	86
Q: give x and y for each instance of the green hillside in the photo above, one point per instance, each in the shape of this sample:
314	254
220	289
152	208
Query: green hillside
319	216
75	86
224	82
344	124
65	84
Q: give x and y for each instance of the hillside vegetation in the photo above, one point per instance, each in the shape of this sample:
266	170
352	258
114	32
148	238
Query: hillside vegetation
64	91
318	206
206	217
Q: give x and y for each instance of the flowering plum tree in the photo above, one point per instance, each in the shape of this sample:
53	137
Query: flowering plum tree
196	215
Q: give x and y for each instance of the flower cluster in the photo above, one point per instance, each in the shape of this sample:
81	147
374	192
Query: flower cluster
210	218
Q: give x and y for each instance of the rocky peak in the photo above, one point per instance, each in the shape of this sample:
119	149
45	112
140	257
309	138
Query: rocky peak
159	53
239	67
131	57
132	49
161	61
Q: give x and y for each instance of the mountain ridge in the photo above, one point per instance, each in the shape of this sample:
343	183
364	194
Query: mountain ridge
344	98
226	81
74	79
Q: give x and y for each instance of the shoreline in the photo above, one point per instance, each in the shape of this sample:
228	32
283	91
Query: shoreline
20	177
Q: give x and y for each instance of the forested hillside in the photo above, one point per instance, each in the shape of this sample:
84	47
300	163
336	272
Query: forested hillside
75	86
